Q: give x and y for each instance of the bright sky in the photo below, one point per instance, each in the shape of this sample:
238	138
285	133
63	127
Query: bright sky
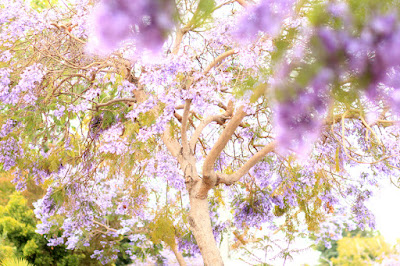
385	207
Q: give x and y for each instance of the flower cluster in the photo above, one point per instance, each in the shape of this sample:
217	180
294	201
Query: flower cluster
24	91
145	22
268	17
296	130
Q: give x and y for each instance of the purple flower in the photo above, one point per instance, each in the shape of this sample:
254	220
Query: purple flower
392	81
145	21
266	17
298	121
329	39
60	111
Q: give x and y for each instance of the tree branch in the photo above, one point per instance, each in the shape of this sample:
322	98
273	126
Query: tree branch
209	177
185	143
220	119
245	168
200	128
232	178
218	60
172	144
243	3
178	38
115	101
178	255
134	230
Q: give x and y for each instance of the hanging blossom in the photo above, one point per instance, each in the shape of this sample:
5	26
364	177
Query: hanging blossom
266	17
24	90
392	81
112	141
4	84
367	55
298	129
298	120
18	19
59	111
10	152
146	22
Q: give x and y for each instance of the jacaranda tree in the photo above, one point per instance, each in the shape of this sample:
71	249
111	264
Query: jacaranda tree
173	124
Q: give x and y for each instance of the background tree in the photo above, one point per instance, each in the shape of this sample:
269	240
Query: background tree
278	109
331	252
17	226
360	248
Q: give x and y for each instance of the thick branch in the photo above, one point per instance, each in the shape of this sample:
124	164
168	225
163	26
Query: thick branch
209	177
218	60
185	143
178	255
222	141
200	128
172	144
178	39
220	119
232	178
115	101
243	3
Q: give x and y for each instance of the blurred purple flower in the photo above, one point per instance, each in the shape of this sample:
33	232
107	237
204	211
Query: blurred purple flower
298	121
145	21
266	17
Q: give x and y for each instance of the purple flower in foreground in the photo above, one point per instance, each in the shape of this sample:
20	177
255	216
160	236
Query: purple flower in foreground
266	17
298	121
392	81
144	21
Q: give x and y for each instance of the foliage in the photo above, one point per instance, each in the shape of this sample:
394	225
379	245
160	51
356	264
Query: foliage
358	247
362	250
14	262
166	125
17	226
331	252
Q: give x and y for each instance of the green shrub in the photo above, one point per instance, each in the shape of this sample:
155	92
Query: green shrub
14	262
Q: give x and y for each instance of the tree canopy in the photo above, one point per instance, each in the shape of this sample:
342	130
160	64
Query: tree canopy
175	124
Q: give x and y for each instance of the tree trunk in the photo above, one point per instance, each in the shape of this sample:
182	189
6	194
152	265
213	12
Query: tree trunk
200	225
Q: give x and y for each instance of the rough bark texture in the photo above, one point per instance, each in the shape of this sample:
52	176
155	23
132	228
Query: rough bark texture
200	225
199	215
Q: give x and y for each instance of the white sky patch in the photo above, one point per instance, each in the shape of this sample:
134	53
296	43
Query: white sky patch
384	205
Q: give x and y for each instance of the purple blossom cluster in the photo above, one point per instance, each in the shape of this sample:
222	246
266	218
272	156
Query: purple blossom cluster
44	209
17	20
59	112
346	54
367	54
142	108
112	141
252	212
126	89
7	128
296	130
4	84
95	199
10	152
268	17
24	91
167	168
145	22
